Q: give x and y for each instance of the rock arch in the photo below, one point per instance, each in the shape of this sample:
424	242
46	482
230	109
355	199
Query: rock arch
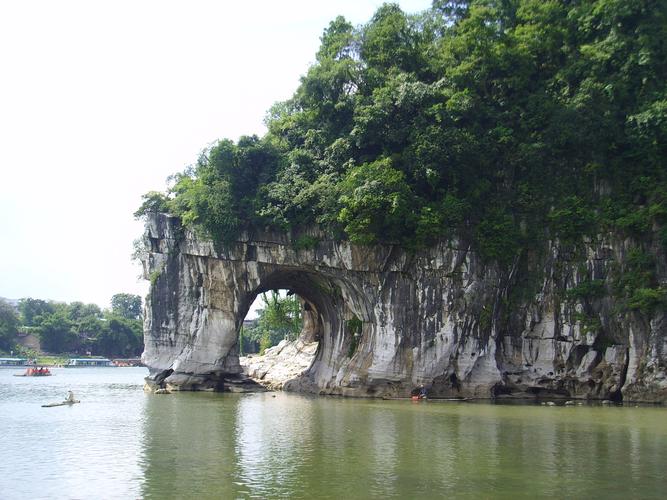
326	305
391	319
199	298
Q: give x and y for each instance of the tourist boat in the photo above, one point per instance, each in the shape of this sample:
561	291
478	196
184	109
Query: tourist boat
35	372
88	362
13	362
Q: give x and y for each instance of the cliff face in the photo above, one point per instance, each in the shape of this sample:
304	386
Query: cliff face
389	320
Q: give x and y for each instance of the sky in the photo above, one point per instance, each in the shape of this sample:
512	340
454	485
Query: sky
100	101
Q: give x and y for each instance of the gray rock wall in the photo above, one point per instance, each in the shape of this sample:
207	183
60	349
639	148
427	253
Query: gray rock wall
389	320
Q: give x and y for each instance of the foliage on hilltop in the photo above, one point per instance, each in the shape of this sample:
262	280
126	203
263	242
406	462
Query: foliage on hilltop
502	122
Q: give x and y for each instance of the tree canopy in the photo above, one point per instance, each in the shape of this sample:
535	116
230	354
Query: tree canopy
76	327
8	325
126	305
503	122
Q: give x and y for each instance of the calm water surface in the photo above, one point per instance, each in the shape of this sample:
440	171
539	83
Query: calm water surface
121	442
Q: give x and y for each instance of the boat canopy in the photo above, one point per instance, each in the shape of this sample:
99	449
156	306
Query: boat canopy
13	361
89	362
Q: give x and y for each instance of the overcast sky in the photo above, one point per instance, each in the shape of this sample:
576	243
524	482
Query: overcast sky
100	101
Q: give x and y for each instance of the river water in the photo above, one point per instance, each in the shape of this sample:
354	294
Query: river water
122	443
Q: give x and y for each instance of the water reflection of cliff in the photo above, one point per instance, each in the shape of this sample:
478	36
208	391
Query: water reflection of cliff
189	446
290	446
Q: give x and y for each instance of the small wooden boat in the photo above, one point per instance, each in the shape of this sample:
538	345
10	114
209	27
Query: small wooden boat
449	399
417	398
63	403
35	372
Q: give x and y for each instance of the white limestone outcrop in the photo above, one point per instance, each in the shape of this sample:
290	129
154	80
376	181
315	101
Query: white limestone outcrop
388	320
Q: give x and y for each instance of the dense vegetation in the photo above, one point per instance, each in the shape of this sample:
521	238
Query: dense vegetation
503	122
8	325
279	318
75	327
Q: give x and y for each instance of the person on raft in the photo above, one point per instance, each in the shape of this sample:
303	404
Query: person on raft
70	397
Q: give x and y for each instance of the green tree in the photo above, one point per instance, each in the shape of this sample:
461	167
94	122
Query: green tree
31	309
56	334
279	319
153	202
281	314
221	193
377	203
390	41
8	325
120	337
126	305
77	311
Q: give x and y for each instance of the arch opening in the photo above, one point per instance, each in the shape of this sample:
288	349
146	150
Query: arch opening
276	315
311	353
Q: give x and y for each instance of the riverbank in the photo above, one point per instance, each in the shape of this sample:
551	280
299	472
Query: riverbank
288	360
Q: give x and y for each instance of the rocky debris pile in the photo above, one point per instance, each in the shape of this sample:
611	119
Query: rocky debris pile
280	363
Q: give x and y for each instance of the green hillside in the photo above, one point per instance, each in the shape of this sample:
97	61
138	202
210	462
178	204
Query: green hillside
500	122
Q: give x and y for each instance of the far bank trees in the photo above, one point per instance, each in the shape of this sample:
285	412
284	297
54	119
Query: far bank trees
279	319
76	327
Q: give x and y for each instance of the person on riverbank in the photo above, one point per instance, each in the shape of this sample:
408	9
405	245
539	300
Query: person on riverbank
419	393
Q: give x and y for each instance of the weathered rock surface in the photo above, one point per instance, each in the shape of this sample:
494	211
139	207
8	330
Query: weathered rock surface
389	320
281	364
